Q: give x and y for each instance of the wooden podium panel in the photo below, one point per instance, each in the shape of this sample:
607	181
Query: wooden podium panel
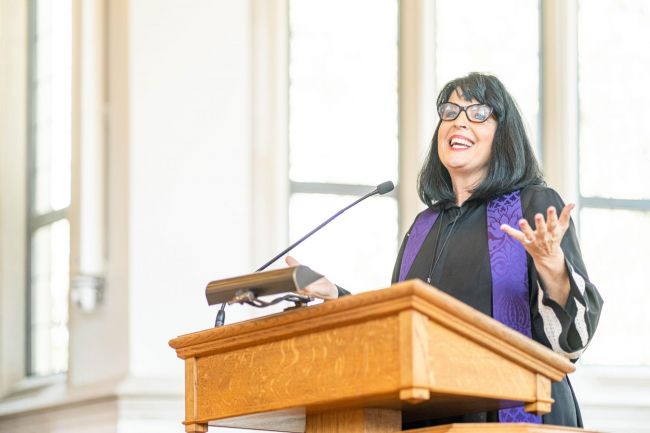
407	348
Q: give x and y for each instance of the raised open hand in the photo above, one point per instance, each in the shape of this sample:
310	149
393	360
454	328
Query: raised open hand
543	243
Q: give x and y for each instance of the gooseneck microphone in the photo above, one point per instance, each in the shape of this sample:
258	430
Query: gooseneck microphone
381	189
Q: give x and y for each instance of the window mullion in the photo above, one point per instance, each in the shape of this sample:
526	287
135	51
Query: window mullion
417	110
560	96
615	203
37	221
48	229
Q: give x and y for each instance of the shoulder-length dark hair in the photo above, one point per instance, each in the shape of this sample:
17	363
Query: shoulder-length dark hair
512	163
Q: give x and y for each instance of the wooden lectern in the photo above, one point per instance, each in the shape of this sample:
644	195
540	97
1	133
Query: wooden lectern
354	364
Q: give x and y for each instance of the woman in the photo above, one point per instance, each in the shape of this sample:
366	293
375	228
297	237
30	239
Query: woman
479	181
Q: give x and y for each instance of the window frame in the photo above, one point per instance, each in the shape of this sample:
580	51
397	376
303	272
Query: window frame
607	372
594	384
558	147
87	213
36	220
345	189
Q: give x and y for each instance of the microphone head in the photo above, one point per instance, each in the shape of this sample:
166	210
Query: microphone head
385	187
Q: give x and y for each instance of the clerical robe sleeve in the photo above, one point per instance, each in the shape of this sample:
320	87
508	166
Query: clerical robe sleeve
342	291
567	330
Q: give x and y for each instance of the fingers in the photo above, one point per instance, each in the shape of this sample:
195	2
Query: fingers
544	241
551	219
527	230
321	288
514	233
565	216
291	261
540	226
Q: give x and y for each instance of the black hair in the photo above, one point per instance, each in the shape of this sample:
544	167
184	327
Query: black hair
512	164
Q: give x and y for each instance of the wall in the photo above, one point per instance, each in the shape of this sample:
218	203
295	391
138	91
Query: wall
13	166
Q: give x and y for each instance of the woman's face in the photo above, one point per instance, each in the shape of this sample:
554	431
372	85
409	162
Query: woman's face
464	147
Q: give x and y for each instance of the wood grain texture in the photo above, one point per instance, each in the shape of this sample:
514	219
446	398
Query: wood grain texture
355	421
414	395
543	403
190	389
412	294
196	428
309	369
475	370
414	352
410	347
191	399
517	347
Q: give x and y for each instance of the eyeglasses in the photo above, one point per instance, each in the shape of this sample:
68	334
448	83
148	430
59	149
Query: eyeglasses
476	112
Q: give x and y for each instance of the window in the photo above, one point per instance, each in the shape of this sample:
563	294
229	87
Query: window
343	136
614	180
49	186
477	47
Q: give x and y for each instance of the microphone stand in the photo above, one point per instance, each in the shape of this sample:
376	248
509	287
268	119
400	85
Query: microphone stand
382	188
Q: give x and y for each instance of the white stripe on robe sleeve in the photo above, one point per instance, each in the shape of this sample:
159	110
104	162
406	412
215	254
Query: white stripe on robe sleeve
553	327
580	322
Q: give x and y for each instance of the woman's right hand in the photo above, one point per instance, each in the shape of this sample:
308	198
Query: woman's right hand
321	288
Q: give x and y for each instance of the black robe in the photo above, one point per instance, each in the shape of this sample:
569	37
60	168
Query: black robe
462	269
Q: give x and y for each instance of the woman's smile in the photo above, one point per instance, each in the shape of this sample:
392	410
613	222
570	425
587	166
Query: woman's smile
464	146
460	142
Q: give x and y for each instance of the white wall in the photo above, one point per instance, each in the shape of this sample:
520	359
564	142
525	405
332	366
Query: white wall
613	399
13	205
189	167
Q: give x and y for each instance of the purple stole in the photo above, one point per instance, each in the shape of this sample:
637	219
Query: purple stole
510	297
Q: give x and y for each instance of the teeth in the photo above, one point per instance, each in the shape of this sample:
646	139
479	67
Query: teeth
461	142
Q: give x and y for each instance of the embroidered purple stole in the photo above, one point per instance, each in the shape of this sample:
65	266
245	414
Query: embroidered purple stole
510	298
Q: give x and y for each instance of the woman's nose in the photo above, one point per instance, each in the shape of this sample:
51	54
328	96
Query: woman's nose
462	121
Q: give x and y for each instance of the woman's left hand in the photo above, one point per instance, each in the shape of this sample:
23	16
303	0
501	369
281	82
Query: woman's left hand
543	243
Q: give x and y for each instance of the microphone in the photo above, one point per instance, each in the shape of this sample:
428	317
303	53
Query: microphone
381	189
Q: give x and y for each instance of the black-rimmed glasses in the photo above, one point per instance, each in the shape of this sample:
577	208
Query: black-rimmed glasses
475	113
